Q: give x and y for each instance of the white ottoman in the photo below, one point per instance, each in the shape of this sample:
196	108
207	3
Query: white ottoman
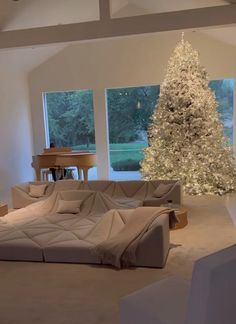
163	302
212	297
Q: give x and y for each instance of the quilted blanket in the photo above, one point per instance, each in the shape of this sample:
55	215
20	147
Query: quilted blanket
118	233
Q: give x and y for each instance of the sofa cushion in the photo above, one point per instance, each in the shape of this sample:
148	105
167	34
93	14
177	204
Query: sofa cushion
162	189
62	185
136	188
129	202
38	190
16	245
68	206
71	251
106	186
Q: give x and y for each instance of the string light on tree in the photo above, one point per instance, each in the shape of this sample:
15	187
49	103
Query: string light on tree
186	136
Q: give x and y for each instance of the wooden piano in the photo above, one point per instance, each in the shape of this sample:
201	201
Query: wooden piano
61	158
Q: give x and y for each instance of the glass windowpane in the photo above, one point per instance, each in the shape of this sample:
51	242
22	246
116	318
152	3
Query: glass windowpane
70	121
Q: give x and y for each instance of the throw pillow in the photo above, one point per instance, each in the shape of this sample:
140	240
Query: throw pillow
68	206
162	189
37	191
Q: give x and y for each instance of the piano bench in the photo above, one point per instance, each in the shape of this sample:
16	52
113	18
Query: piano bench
47	174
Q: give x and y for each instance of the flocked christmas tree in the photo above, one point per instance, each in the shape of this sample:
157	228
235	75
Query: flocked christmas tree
186	137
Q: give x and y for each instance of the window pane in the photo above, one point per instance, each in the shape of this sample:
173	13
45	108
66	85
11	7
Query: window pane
129	112
224	92
71	121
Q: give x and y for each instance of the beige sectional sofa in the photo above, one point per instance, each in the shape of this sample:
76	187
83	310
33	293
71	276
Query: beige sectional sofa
142	192
39	232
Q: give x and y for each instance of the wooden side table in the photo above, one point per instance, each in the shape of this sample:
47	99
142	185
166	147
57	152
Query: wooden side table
182	215
3	209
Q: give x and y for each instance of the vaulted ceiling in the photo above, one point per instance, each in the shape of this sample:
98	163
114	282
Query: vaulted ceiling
21	14
24	14
158	6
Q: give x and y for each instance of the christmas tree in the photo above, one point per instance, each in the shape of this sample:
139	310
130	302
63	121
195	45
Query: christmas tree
186	138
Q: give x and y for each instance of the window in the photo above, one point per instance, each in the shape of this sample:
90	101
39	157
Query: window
70	120
129	112
224	92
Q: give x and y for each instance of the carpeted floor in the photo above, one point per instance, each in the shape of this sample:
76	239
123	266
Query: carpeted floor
76	294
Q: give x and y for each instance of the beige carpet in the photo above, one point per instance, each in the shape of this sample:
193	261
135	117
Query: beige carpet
74	294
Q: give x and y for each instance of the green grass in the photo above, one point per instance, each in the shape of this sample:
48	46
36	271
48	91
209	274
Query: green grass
92	147
116	156
127	146
120	151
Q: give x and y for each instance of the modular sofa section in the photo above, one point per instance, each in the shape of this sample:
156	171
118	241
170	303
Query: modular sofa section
152	250
142	191
21	197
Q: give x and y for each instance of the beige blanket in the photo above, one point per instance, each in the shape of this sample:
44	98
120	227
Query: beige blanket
117	234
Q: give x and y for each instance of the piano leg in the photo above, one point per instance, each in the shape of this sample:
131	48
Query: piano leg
85	172
38	174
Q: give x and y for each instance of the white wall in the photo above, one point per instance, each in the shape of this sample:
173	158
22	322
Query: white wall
120	62
15	130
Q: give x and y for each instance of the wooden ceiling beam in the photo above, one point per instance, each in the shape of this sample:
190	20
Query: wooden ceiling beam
104	9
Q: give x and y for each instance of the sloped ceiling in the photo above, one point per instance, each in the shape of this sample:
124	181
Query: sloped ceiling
224	34
158	6
24	14
138	7
34	13
176	5
129	9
